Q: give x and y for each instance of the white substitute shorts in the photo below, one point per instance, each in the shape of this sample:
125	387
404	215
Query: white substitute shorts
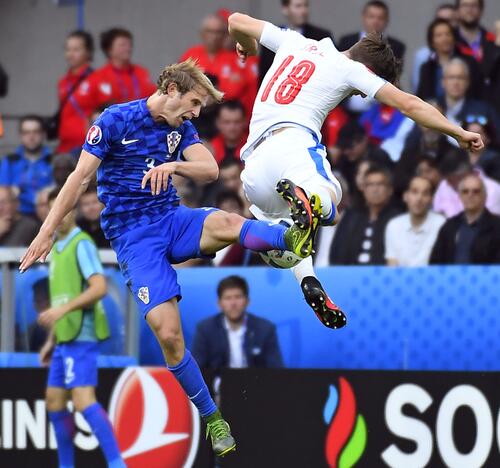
295	154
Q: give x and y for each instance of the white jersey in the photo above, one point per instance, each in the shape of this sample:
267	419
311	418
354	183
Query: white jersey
306	81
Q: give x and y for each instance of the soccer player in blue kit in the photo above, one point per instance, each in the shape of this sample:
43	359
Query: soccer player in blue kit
135	147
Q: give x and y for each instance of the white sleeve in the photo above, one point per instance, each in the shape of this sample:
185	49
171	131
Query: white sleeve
272	37
389	241
364	80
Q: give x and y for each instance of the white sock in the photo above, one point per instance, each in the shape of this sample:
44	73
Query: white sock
303	269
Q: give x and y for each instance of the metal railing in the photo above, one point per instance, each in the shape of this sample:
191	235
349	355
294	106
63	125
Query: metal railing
9	261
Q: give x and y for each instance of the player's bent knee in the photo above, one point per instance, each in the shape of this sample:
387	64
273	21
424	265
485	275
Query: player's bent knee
170	339
82	398
231	224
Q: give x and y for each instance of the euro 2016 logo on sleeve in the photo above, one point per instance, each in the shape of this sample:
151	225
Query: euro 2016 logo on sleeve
156	425
346	436
94	135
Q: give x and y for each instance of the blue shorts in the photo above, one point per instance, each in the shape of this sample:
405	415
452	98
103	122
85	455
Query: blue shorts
74	364
146	254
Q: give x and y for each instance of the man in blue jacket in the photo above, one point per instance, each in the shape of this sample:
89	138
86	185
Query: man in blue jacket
29	168
234	337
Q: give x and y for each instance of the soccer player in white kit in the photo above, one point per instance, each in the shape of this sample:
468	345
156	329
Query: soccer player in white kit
285	163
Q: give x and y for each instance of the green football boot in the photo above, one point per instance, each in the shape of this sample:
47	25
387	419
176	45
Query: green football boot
220	435
306	214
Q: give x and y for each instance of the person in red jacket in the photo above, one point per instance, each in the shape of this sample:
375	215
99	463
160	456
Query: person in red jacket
237	80
119	80
232	131
73	91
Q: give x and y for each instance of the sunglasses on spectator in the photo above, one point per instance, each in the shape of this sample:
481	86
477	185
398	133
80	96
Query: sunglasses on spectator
479	119
475	191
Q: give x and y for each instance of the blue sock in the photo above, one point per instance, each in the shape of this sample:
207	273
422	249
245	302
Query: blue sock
64	429
188	374
262	236
102	429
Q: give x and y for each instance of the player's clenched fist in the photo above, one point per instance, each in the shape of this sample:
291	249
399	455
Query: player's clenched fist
39	249
470	141
158	177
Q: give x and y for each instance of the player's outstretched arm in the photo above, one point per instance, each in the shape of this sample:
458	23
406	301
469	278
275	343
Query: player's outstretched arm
246	31
428	116
74	186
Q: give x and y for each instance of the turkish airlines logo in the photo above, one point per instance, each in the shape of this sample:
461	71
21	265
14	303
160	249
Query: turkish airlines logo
156	425
346	436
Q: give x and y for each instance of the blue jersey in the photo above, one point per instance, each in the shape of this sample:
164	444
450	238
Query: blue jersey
130	143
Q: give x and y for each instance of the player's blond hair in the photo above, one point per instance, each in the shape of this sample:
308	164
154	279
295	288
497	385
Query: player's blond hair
187	75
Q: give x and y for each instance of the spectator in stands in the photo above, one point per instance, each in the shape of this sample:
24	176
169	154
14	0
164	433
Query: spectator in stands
232	132
327	233
475	41
455	104
374	18
488	159
420	142
62	166
388	127
296	13
236	80
229	179
90	208
409	237
28	169
235	254
354	147
332	125
472	236
234	337
37	335
455	167
119	80
73	88
4	82
447	12
42	204
359	238
428	168
16	229
441	40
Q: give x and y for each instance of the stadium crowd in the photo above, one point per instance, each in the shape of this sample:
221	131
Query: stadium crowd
410	196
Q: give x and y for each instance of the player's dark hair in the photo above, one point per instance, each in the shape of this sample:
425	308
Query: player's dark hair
31	118
87	39
232	282
232	105
481	4
53	194
377	4
352	132
430	30
226	195
380	169
376	54
109	36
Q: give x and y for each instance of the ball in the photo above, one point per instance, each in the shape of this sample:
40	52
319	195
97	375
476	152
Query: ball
280	258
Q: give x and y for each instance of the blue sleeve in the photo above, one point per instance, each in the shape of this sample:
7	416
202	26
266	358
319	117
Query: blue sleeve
105	131
88	259
189	137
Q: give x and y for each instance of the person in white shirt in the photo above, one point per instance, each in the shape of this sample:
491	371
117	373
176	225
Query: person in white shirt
409	237
306	81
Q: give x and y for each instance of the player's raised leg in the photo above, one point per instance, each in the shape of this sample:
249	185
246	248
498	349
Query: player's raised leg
221	229
164	320
315	295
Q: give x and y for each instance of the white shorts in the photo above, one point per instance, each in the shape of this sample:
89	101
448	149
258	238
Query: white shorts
294	154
